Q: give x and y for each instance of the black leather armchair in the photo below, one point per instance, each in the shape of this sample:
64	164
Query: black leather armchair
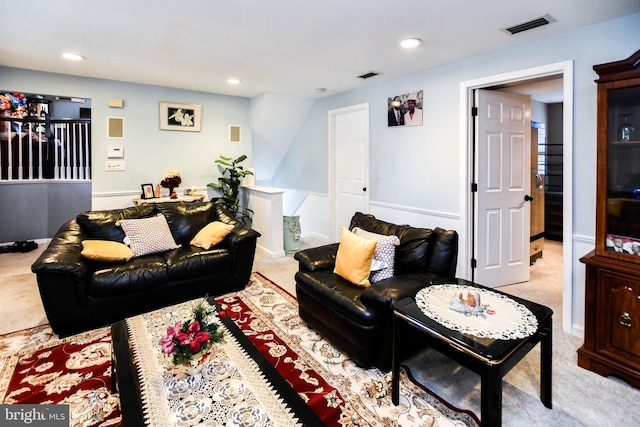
357	320
79	294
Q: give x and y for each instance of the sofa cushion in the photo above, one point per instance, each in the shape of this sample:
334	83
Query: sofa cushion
444	253
212	234
353	260
186	219
412	254
191	261
141	273
334	294
385	253
106	251
148	235
102	224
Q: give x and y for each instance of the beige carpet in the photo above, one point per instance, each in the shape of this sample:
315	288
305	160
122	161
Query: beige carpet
20	304
580	397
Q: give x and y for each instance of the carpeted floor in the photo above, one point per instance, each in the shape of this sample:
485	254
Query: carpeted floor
20	303
341	392
580	397
39	368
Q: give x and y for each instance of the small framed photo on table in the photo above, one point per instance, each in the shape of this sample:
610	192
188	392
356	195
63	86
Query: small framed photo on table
147	191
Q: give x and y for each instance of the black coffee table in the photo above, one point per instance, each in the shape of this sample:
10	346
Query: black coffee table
490	358
126	381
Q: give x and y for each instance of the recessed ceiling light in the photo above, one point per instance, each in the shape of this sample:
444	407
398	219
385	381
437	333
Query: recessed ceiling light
233	81
410	43
72	56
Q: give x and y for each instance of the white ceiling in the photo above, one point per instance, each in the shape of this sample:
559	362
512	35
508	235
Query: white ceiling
290	47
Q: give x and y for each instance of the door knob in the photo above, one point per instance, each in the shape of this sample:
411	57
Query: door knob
528	198
364	188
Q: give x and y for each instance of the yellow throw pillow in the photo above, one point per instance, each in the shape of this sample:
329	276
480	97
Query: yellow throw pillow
211	234
353	260
106	250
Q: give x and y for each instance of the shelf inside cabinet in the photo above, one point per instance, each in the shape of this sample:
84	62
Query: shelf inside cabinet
612	275
623	143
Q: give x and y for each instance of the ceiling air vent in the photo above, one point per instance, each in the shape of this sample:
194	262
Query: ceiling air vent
368	75
534	23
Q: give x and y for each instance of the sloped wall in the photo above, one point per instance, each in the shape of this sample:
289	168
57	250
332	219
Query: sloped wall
275	121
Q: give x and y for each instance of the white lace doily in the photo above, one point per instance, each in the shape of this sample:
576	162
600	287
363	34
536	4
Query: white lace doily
501	317
230	390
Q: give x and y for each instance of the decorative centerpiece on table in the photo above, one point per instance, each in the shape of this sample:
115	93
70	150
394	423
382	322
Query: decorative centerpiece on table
188	343
469	305
171	180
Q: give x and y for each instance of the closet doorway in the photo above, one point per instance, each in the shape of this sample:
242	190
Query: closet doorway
517	82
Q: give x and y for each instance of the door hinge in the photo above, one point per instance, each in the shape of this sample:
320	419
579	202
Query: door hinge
474	263
474	187
474	111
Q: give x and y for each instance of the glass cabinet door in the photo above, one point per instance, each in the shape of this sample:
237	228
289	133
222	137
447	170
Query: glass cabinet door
622	226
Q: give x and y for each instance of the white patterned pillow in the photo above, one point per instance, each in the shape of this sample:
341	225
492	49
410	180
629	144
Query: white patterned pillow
385	253
147	235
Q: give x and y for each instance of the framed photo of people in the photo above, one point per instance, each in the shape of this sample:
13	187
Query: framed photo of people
622	244
405	110
147	191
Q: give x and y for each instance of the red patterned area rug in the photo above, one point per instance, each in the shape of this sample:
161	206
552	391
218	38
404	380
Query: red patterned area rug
338	391
38	367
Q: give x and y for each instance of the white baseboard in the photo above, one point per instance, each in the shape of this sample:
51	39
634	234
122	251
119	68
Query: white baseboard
269	254
45	241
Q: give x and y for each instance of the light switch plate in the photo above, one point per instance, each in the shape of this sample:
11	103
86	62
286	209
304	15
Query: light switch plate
112	166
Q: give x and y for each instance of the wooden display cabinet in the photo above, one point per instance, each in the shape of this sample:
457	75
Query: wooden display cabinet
612	292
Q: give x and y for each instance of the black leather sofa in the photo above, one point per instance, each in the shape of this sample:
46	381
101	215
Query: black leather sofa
79	294
358	320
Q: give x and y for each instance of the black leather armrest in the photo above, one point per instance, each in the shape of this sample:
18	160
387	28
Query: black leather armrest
242	242
319	258
62	256
387	292
241	234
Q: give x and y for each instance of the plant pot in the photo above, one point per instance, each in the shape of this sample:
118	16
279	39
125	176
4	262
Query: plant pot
193	367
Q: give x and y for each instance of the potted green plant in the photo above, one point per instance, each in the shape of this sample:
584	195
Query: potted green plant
229	184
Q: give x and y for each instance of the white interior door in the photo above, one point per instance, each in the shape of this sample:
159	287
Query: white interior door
348	164
503	178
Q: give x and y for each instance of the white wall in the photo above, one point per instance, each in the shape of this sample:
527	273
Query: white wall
415	172
275	121
149	152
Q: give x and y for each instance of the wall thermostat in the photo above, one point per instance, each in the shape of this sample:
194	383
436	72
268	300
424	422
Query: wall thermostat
115	152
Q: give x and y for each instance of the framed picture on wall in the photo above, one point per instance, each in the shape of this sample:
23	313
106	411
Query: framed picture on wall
115	127
182	117
147	191
405	110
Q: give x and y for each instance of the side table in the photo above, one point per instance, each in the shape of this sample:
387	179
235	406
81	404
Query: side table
490	358
138	201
